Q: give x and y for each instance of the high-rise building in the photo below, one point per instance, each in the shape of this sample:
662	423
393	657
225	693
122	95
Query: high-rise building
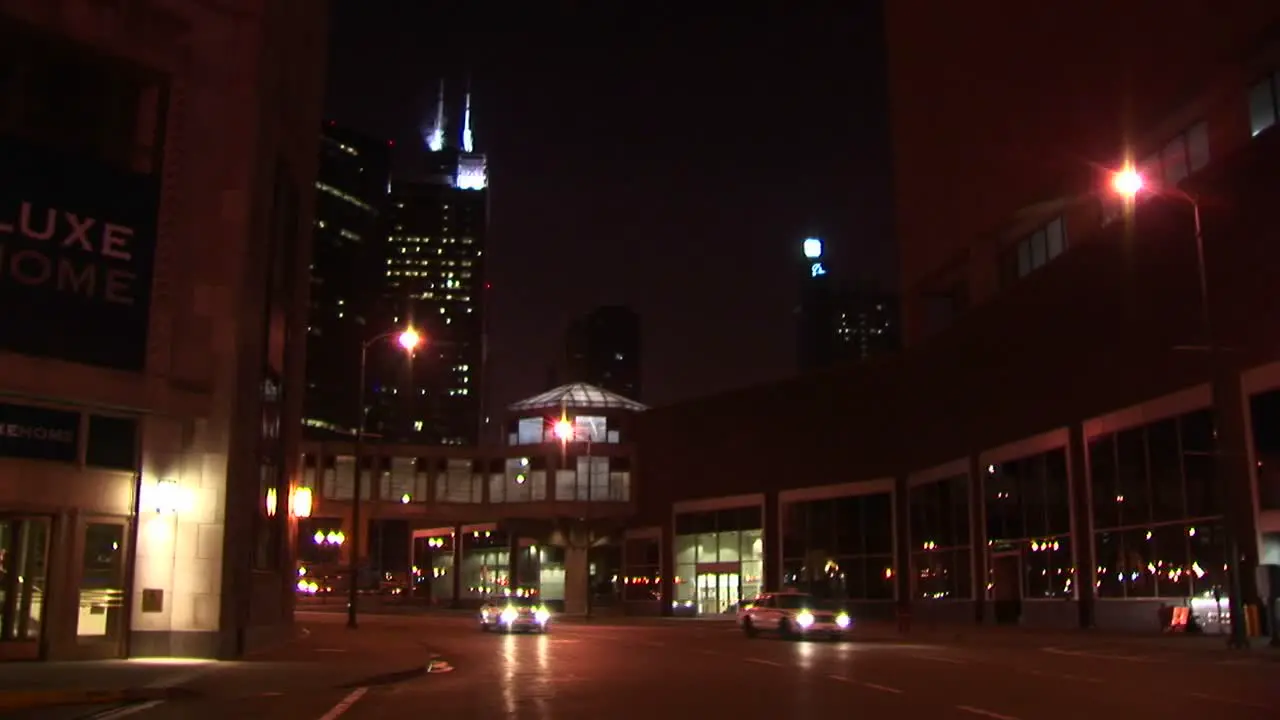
348	251
838	324
435	280
603	348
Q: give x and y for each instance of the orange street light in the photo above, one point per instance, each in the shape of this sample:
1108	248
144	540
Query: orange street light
1127	183
409	339
564	430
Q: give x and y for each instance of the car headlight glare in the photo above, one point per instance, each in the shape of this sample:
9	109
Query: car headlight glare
509	615
804	619
843	620
541	615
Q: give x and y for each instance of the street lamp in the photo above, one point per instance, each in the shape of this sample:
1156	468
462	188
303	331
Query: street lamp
409	339
1128	183
566	432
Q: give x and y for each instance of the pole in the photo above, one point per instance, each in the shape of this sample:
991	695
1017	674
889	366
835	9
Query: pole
1235	601
353	570
591	471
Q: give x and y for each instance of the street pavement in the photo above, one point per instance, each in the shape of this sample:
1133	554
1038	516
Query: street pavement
625	669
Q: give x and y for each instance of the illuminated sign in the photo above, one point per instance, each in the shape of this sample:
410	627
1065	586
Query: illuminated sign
816	269
813	248
38	433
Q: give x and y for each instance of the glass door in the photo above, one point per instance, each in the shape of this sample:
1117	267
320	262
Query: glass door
729	592
707	603
24	554
102	586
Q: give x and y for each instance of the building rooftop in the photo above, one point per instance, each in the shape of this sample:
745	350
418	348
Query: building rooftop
577	395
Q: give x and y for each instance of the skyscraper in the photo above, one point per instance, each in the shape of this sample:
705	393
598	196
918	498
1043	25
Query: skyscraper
602	348
434	269
838	324
348	251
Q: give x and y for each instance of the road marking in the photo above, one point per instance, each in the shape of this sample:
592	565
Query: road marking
841	678
1082	653
882	688
985	713
345	704
1232	701
331	650
764	662
126	711
1061	676
935	658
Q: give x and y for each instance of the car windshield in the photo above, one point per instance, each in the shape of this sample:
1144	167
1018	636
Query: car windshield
516	601
793	602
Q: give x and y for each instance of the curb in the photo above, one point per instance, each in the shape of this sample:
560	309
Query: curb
29	699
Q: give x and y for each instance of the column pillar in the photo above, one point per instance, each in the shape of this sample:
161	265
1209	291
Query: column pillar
1081	525
978	537
667	571
576	569
513	560
772	531
456	601
902	543
1235	473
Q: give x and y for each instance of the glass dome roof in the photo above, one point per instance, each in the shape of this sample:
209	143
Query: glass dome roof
577	395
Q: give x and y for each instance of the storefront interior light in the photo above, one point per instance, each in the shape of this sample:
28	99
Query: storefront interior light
301	505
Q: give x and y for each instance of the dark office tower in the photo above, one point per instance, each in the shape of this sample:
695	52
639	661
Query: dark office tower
866	325
817	316
435	281
602	348
346	273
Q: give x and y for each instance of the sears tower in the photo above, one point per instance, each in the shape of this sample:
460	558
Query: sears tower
438	217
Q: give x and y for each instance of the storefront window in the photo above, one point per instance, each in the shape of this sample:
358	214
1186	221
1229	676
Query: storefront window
102	583
719	559
1157	528
642	576
24	545
1028	513
940	552
840	548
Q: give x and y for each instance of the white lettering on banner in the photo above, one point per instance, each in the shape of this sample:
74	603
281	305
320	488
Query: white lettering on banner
47	267
37	432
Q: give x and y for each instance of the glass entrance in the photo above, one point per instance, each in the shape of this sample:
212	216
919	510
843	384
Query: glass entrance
102	579
718	593
24	552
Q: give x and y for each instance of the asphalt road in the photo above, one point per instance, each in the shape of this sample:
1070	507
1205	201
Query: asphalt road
695	669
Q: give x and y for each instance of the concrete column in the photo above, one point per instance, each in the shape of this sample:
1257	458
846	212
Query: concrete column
667	573
576	569
978	536
902	543
1081	524
772	543
1235	474
456	601
513	559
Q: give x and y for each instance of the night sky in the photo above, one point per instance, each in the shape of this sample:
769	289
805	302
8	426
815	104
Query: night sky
664	160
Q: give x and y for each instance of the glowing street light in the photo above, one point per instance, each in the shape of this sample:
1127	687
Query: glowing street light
409	339
564	430
1127	183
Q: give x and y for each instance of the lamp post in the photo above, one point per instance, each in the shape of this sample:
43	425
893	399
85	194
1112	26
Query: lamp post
409	339
1128	183
565	430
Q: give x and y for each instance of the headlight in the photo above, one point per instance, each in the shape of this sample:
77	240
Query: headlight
509	615
842	620
541	615
804	619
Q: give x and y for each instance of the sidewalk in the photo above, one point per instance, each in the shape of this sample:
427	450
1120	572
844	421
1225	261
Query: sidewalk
328	656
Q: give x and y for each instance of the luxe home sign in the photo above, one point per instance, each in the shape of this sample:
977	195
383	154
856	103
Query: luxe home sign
37	433
77	241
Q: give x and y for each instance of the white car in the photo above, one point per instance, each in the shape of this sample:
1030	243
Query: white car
792	615
514	613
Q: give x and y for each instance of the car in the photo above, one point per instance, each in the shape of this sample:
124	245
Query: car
515	613
792	615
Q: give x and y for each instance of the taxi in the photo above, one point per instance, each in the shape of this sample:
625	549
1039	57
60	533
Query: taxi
792	615
515	613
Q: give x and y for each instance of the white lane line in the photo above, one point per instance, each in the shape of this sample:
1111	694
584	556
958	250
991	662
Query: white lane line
882	688
345	704
1101	656
127	711
841	678
764	662
985	713
1061	676
935	658
1231	701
